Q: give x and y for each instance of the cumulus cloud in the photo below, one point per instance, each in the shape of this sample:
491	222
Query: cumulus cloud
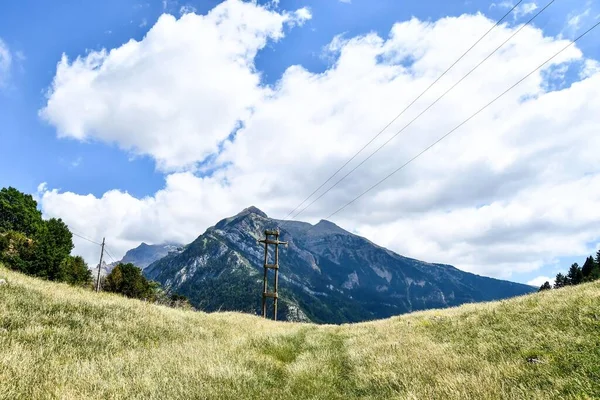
5	62
174	95
514	189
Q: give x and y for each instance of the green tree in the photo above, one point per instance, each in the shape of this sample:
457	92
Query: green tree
545	286
588	267
595	272
18	212
127	279
53	244
560	281
75	271
16	250
574	276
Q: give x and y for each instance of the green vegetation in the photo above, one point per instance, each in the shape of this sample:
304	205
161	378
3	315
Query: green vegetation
590	272
42	248
127	279
35	246
62	342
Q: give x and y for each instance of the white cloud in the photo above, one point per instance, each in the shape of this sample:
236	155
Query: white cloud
539	281
590	68
575	20
187	9
503	4
514	189
525	9
77	162
345	1
5	63
177	93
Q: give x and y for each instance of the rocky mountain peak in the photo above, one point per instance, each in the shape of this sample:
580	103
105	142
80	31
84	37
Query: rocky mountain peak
253	210
329	228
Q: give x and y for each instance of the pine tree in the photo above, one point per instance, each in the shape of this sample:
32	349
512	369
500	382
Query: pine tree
574	276
588	267
560	281
545	286
595	274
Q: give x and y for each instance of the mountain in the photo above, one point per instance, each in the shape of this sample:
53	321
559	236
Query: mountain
141	256
146	254
327	275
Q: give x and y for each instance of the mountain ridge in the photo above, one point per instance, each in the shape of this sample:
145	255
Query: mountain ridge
327	274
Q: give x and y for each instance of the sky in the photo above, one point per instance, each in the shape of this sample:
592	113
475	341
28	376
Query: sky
149	121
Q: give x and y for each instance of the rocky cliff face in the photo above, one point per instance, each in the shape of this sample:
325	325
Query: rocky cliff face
327	275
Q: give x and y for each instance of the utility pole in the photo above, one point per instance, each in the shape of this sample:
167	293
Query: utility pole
275	266
100	266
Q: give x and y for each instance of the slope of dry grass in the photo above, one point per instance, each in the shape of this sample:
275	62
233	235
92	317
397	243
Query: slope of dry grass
59	342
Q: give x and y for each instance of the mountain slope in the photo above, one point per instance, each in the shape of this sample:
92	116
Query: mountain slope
141	256
146	254
68	343
326	274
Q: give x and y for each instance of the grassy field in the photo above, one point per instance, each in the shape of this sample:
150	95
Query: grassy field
58	342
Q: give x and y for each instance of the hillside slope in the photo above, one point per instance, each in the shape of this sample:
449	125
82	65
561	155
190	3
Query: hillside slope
327	275
60	342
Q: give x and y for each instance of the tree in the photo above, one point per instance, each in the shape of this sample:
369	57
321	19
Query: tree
75	271
16	250
545	286
18	212
560	281
53	244
588	267
127	279
574	276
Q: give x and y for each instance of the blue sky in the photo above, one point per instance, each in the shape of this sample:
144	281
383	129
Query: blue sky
37	33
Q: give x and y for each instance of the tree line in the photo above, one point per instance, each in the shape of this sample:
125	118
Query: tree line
590	271
42	248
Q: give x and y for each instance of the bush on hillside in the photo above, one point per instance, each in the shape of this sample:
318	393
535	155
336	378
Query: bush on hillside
127	279
75	271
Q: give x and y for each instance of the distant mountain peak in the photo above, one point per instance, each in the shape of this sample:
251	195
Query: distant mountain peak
253	210
324	226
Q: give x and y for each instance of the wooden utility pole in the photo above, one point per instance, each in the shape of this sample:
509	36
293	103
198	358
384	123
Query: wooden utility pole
100	266
275	266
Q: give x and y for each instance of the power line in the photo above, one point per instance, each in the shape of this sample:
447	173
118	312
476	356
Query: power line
84	238
425	110
402	112
91	241
108	254
462	123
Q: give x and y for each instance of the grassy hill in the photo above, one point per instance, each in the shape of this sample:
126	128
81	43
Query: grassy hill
60	342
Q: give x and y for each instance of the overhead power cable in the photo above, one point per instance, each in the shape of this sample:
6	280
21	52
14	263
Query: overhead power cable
462	123
425	110
403	111
108	254
84	238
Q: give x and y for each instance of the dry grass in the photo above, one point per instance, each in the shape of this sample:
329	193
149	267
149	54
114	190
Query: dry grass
58	342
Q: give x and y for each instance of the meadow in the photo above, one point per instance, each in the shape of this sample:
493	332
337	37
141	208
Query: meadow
61	342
